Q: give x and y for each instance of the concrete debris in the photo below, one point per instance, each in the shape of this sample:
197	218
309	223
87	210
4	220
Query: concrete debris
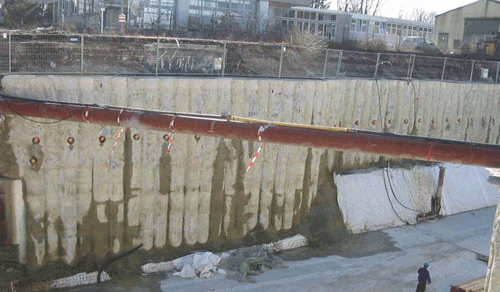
251	261
203	265
79	279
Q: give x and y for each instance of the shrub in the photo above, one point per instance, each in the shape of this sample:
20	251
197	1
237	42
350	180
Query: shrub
374	45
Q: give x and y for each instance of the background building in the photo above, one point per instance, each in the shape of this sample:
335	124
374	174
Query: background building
340	26
168	14
463	24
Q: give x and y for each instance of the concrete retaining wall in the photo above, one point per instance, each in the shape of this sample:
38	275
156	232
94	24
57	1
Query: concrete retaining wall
197	194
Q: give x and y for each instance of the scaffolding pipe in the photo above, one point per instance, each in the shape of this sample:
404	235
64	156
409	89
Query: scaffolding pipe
386	144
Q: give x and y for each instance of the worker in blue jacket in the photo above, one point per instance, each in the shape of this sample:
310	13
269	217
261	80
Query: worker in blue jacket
423	278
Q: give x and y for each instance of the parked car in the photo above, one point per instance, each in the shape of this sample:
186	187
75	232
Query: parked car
419	45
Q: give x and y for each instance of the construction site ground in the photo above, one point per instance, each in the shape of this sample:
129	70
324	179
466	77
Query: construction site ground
385	260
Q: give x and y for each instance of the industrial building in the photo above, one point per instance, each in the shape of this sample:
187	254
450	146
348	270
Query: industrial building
459	26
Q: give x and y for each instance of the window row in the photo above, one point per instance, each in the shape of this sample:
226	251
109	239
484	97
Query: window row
316	16
391	28
327	30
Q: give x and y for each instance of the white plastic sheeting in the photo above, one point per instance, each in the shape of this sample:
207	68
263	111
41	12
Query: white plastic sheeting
467	188
200	264
365	201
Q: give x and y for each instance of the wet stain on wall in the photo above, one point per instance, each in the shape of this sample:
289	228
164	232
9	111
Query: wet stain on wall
324	223
217	209
165	170
36	230
302	208
8	163
240	199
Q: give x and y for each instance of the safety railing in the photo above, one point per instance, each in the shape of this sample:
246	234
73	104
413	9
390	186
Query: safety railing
161	56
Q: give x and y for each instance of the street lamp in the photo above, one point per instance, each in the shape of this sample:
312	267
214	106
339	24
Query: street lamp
102	19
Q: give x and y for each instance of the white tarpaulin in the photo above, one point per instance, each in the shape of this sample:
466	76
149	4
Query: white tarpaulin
200	264
365	201
466	188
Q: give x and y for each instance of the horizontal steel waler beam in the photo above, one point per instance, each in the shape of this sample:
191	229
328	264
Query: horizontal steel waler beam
386	144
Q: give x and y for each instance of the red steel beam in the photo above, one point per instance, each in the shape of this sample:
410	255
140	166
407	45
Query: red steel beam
401	146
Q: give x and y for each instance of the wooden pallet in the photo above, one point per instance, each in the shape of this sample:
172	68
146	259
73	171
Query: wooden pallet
475	285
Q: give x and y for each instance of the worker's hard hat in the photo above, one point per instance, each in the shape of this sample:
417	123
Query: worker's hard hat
426	265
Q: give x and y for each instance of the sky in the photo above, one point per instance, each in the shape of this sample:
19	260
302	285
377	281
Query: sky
392	7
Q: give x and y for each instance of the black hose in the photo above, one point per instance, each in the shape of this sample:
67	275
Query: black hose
114	259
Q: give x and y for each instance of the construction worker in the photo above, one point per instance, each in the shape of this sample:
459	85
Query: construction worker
423	278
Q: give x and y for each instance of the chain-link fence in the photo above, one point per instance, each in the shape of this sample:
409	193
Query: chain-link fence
159	56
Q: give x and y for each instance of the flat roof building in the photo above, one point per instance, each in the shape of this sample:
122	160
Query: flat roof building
340	26
167	14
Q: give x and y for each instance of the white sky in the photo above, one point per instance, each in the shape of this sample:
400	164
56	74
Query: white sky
391	7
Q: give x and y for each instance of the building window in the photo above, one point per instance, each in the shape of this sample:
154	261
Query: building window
376	28
299	14
364	26
456	44
330	31
392	28
398	32
333	18
306	15
321	17
313	16
312	27
353	24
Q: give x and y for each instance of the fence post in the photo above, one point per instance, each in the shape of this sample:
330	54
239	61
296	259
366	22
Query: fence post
224	59
81	54
498	68
376	66
157	55
444	67
472	70
339	63
281	60
326	61
10	51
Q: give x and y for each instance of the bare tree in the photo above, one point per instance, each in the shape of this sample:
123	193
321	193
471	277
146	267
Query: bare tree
419	14
321	4
402	14
372	7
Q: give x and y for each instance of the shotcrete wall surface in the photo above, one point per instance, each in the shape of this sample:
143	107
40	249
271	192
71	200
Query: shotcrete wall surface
77	203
